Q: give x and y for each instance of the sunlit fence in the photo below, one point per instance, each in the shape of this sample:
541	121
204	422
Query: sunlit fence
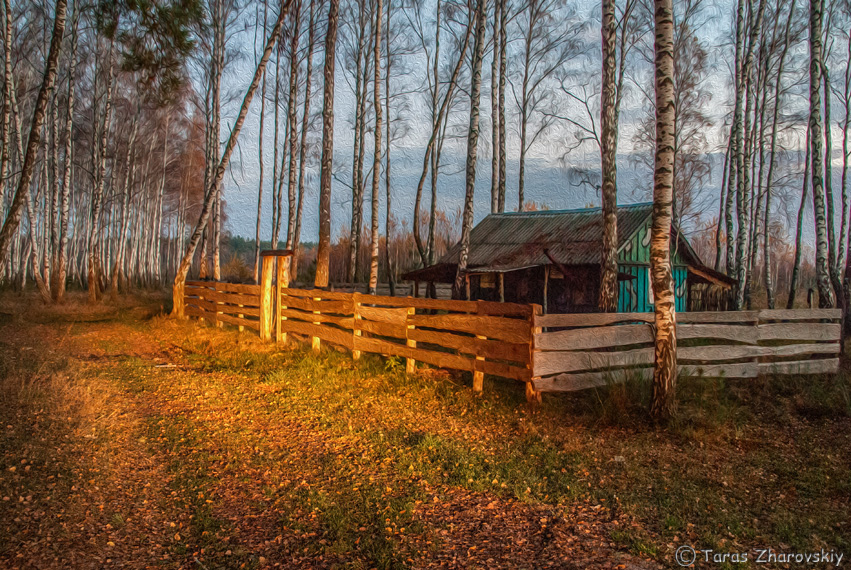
549	353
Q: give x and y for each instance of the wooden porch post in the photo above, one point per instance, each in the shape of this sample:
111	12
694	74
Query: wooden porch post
502	287
546	284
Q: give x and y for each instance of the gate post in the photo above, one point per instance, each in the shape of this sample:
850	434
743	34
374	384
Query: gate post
533	396
266	309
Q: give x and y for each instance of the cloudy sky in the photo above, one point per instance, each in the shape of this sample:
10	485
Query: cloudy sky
548	179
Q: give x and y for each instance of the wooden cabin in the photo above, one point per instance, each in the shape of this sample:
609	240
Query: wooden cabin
553	258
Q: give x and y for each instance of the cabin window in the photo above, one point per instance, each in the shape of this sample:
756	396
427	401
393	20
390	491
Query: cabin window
487	281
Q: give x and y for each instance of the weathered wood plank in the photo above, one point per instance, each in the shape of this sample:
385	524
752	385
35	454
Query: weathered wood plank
511	330
383	314
247	289
719	317
822	366
343	322
230	319
585	380
799	314
380	346
383	329
547	363
502	370
324	332
486	307
590	319
729	370
595	337
313	293
802	349
714	353
738	333
582	381
232	298
799	331
237	310
208	306
495	349
332	306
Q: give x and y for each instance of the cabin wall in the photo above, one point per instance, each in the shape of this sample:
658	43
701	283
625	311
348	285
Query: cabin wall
634	295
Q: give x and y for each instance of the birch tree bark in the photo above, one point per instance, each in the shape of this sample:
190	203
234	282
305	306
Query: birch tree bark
608	299
13	218
472	147
323	250
823	281
663	402
376	155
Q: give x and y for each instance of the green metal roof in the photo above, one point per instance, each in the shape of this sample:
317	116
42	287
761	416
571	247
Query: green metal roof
516	240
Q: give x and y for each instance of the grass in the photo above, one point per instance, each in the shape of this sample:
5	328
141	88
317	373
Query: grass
339	462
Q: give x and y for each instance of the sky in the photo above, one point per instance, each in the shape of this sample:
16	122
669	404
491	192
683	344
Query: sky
547	178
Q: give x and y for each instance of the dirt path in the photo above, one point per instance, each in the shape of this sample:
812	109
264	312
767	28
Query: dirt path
123	447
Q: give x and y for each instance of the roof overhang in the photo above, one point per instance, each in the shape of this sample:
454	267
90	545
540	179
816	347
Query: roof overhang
706	275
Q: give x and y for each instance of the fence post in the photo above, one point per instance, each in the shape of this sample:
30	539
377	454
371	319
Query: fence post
533	396
283	282
410	363
219	324
200	303
315	341
478	376
266	297
241	316
356	332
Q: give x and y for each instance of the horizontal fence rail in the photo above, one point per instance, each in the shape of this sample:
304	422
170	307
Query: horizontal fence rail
577	351
230	303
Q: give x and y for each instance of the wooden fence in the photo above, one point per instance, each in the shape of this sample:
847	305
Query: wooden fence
573	352
477	336
550	353
223	303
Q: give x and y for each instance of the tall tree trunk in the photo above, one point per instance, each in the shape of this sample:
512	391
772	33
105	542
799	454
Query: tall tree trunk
495	110
13	218
503	64
94	271
357	157
376	156
722	211
260	161
388	219
305	123
472	146
323	250
219	24
61	268
832	260
766	254
823	280
663	401
608	300
292	120
796	266
212	191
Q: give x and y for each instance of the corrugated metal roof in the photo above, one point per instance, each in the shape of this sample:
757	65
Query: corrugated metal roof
510	241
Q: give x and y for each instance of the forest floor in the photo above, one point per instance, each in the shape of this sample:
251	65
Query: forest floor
128	439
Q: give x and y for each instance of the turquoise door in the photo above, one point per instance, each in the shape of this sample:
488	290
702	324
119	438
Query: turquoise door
634	295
